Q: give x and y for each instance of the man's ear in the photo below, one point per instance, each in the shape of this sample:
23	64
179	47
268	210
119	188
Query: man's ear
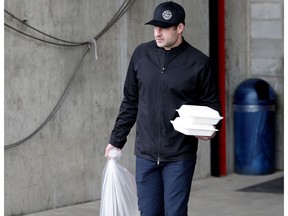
180	28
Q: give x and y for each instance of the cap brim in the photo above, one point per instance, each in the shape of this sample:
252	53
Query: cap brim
159	24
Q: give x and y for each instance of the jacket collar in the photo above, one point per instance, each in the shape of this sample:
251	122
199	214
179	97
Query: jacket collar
177	49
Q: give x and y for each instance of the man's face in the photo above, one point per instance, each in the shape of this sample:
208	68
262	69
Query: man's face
168	38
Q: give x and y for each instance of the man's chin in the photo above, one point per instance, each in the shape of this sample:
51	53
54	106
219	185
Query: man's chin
160	44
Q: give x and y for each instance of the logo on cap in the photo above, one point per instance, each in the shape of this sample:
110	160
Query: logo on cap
167	15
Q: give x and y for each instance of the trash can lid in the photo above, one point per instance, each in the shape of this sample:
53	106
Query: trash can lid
254	91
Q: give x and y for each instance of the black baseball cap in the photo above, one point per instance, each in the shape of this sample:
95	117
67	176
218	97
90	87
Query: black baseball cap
167	14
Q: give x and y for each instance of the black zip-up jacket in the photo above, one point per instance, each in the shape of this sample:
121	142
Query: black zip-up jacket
157	83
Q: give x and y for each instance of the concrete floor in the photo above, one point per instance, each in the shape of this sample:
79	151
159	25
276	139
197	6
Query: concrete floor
209	196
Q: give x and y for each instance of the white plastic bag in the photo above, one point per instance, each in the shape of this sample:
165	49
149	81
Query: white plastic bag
119	194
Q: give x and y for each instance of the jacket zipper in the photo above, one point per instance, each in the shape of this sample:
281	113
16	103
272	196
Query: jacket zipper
159	96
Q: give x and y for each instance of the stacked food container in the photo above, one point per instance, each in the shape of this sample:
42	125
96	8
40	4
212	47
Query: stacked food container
196	120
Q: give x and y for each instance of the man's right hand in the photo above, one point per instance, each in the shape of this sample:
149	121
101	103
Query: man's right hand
108	148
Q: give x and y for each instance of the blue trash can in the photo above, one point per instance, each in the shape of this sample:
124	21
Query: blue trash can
254	127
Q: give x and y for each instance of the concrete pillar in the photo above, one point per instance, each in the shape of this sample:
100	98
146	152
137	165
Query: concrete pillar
62	164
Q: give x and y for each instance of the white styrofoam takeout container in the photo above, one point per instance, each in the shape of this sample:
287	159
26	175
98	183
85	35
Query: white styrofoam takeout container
188	128
199	114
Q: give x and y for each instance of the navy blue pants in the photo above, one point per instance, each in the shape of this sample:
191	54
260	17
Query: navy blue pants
164	189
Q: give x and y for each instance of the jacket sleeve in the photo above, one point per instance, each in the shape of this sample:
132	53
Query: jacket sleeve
209	93
128	109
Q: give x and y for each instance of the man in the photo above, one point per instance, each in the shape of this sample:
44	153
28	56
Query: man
163	75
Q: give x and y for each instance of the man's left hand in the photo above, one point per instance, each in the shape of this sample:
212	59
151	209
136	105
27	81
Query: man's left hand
206	138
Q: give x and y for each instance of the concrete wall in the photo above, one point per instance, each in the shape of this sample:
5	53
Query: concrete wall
63	163
254	47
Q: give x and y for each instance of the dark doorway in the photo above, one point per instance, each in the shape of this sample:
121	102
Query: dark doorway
217	58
